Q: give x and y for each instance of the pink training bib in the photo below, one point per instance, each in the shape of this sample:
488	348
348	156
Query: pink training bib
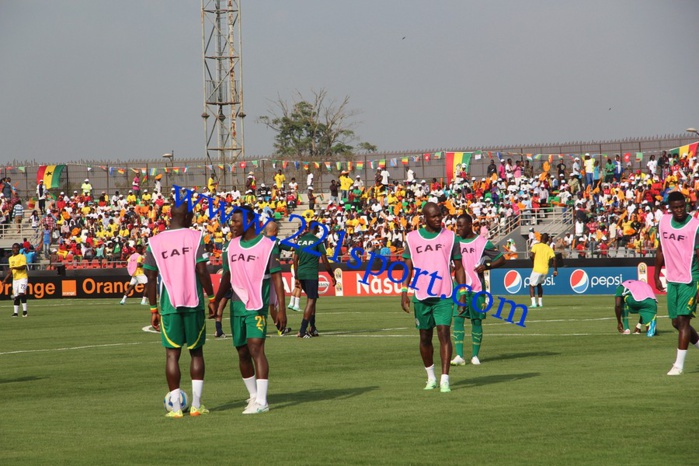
175	253
471	254
639	290
432	257
678	248
132	265
248	267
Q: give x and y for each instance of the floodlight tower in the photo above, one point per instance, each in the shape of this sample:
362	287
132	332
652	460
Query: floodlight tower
223	82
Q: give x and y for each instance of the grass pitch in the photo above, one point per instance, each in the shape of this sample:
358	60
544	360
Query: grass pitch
82	383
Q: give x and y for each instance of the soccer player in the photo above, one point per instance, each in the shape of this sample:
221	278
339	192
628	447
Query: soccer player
477	255
138	276
429	252
678	251
250	267
178	255
541	254
20	278
271	231
635	297
306	258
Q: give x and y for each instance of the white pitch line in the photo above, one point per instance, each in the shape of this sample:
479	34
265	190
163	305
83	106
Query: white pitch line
72	348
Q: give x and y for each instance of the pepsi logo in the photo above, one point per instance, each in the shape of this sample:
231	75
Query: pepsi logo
579	281
513	282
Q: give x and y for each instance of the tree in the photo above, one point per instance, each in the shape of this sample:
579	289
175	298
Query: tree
313	128
367	147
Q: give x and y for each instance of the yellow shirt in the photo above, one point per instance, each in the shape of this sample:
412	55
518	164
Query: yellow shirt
542	255
20	260
279	180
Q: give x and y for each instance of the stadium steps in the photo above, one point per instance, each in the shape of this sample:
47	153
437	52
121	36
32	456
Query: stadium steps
11	236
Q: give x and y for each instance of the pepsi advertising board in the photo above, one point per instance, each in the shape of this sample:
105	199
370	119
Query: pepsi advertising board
570	280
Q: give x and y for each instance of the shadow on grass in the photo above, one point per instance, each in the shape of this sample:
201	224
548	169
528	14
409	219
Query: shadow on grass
285	400
491	379
531	354
30	378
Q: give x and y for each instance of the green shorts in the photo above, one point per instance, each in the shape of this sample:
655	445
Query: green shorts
432	312
648	308
183	327
681	299
251	325
472	310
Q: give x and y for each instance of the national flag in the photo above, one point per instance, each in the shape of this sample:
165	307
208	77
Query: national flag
530	157
455	159
639	155
255	163
89	168
550	158
627	157
285	164
220	166
22	169
153	171
328	165
360	165
296	164
537	157
499	156
210	167
185	169
382	163
427	157
316	164
136	171
338	165
371	164
693	149
393	162
349	166
121	171
103	167
416	158
479	155
51	174
404	160
438	155
243	165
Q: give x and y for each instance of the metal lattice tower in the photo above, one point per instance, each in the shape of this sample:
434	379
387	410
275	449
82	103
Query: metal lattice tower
223	77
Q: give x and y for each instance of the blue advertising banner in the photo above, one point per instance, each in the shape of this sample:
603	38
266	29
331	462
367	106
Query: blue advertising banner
570	281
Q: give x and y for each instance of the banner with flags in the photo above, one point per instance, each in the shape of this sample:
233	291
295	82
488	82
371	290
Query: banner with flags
51	174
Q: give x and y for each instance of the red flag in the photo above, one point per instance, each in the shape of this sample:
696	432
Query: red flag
627	157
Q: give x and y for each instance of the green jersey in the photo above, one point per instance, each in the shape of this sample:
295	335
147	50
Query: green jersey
310	249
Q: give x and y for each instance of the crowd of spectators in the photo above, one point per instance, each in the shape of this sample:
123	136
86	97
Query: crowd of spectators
614	209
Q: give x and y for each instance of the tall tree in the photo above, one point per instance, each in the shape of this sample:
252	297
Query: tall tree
311	128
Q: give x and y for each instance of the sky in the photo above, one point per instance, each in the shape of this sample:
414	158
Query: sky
117	81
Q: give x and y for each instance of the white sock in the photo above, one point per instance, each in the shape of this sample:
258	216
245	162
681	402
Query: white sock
533	301
197	388
175	399
540	302
697	344
251	385
144	299
430	373
16	309
24	307
445	378
679	362
123	300
262	385
295	300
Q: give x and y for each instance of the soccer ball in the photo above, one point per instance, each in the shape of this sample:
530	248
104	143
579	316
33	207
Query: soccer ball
184	401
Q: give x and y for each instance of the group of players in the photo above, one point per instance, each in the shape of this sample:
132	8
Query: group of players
252	278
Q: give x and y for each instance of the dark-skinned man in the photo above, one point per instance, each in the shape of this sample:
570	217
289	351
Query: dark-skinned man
250	268
178	255
17	263
477	255
678	251
428	255
310	252
541	254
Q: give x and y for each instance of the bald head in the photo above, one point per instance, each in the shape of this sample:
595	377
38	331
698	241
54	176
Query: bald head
272	229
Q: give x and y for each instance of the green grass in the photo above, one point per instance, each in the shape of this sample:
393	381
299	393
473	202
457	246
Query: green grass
83	384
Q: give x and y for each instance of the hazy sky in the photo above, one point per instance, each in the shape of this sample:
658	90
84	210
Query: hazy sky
116	80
